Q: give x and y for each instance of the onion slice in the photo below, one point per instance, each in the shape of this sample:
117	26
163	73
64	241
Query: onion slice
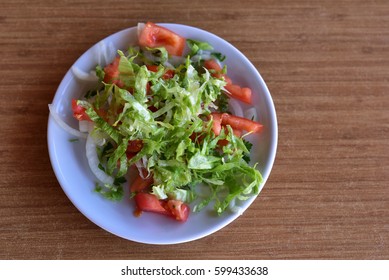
234	208
202	56
176	60
93	161
85	126
140	28
251	114
105	53
235	107
102	53
64	125
84	76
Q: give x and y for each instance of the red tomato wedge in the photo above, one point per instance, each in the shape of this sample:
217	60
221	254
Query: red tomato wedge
217	127
112	73
140	184
178	209
237	123
149	203
154	36
213	65
235	91
134	146
173	208
79	112
217	70
243	94
217	123
241	123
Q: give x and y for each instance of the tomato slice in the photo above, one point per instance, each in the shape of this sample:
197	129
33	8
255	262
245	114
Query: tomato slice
111	72
140	184
217	70
149	203
134	146
243	94
211	64
217	123
178	209
154	36
237	124
130	155
152	68
241	123
79	112
173	208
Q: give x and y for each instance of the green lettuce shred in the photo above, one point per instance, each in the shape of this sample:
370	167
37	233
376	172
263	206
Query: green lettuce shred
170	117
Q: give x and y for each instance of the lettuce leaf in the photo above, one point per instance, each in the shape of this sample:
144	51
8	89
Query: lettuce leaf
170	117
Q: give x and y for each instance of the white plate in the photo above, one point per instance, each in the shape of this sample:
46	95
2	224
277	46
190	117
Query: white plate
72	171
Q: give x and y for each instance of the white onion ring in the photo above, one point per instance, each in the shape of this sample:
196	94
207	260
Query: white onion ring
176	60
140	28
204	55
203	191
235	107
85	126
64	125
105	53
251	114
234	208
111	51
84	76
93	162
102	53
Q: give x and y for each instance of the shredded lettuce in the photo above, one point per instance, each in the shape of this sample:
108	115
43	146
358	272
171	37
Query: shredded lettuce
196	46
170	116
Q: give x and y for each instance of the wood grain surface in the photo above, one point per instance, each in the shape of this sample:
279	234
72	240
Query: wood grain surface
326	64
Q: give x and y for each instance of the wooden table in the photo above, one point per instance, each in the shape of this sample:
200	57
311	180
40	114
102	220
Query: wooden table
326	64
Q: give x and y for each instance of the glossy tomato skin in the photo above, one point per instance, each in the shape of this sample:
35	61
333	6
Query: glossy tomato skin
238	124
211	64
134	146
235	91
139	184
216	123
111	72
79	112
243	94
241	123
178	209
154	36
216	70
149	203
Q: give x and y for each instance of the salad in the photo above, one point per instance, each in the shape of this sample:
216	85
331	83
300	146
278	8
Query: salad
159	122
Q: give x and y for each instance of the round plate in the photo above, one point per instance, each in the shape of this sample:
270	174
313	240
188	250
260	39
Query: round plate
72	171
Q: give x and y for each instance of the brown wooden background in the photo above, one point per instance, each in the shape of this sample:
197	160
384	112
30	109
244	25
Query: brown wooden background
326	64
